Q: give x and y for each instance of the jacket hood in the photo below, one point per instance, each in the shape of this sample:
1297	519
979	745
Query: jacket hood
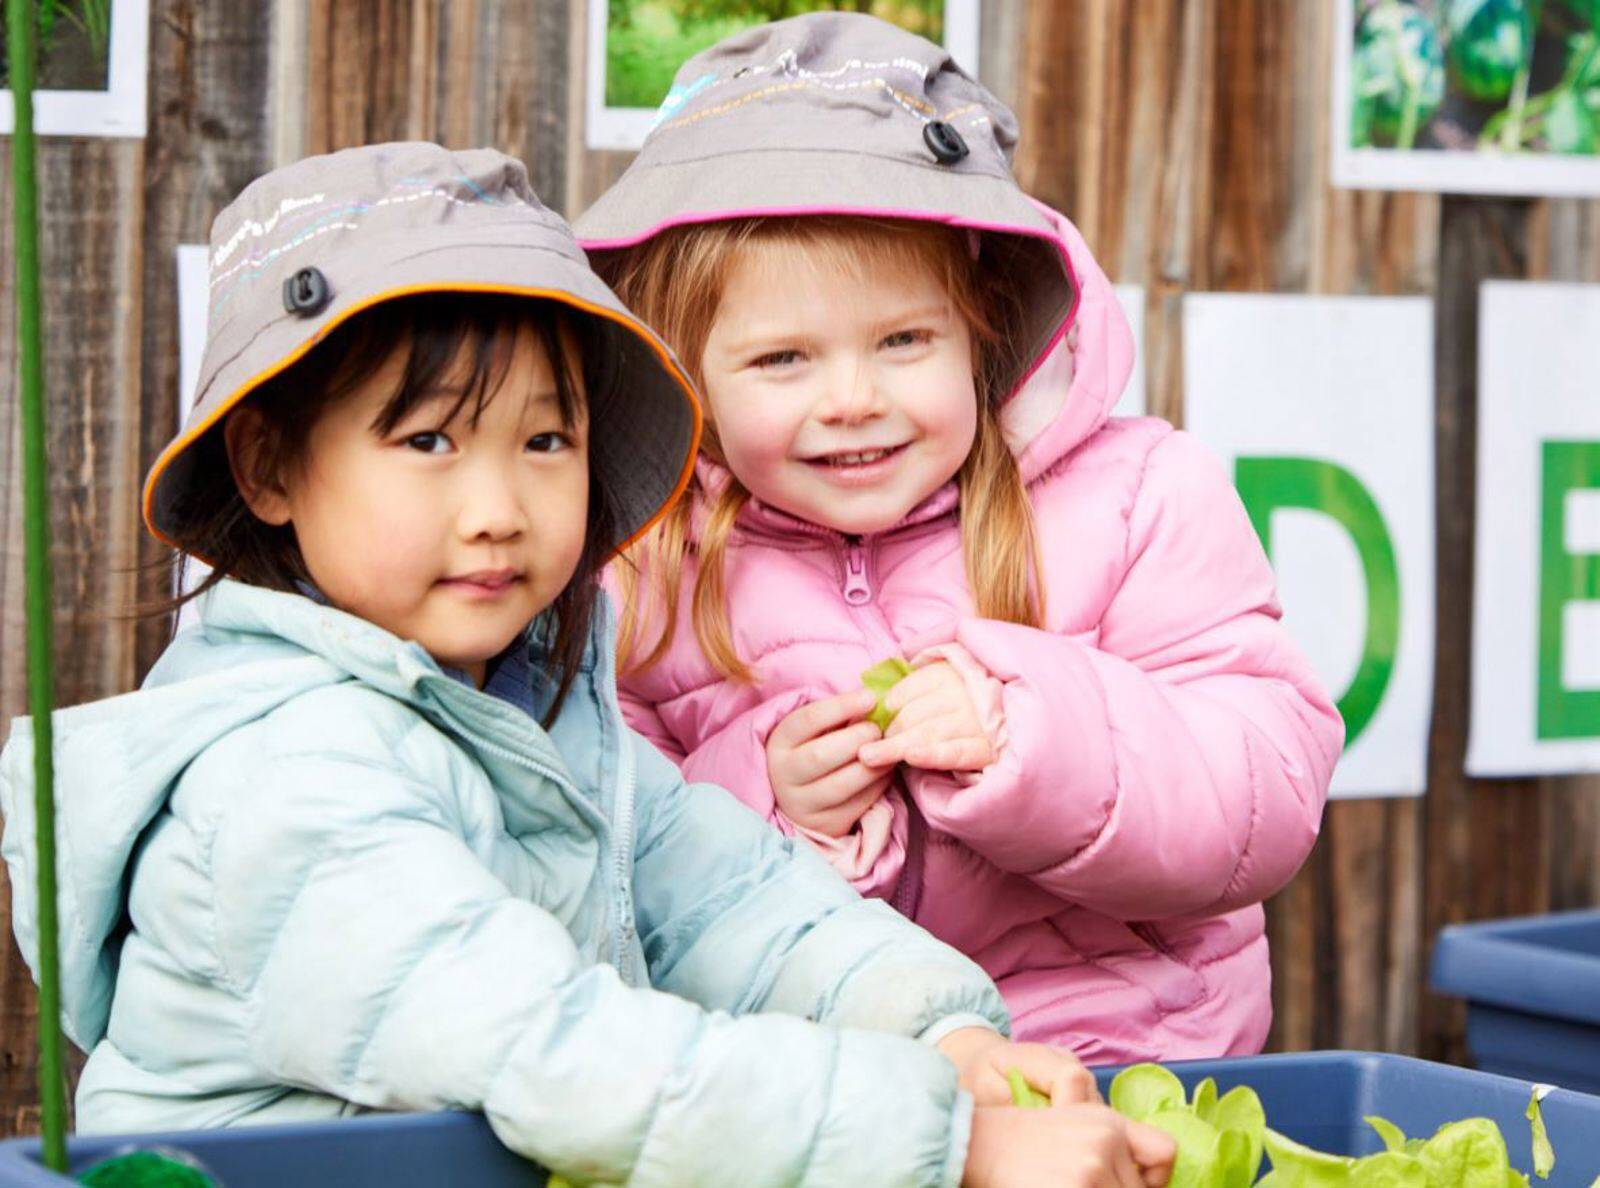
1071	392
117	761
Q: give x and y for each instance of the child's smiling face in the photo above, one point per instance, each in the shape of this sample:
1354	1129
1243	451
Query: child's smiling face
844	400
453	531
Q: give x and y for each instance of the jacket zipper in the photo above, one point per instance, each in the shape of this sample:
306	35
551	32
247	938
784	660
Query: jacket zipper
858	593
857	589
611	833
622	846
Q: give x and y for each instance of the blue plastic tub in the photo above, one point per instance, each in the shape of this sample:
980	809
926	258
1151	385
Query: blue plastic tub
1533	995
1318	1098
375	1151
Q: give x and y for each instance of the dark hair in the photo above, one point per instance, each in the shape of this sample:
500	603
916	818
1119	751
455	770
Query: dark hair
214	524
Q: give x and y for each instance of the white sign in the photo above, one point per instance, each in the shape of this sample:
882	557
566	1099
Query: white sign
118	109
1134	400
193	306
1322	408
1536	598
632	62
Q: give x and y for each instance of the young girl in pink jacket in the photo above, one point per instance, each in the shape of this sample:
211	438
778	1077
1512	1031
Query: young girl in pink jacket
1108	751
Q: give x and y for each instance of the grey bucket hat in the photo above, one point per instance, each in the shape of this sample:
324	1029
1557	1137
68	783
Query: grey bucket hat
306	247
840	113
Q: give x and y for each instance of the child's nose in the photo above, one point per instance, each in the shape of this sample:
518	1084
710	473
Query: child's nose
852	397
490	508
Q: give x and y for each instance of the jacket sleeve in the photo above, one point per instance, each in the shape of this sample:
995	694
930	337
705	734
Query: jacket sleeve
1176	763
384	963
871	856
764	924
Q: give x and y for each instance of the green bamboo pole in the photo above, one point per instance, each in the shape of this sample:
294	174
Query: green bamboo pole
36	567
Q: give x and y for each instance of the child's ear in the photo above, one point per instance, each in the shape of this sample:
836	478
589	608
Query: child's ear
245	435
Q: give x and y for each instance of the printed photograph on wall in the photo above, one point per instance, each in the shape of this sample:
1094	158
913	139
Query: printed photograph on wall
91	73
1467	96
636	46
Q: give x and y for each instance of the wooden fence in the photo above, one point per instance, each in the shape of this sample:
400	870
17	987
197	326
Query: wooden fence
1188	138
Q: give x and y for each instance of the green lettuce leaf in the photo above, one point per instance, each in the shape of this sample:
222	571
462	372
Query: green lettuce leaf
1467	1154
1298	1166
1145	1090
1394	1139
880	678
1389	1169
1239	1110
1544	1155
1202	1162
1024	1094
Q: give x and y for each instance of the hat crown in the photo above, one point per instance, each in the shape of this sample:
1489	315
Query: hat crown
827	79
325	207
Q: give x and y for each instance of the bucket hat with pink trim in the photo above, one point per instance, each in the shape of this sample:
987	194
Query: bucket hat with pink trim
840	113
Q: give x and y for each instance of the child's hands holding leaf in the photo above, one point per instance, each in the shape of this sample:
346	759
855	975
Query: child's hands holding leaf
984	1059
935	724
817	779
1065	1146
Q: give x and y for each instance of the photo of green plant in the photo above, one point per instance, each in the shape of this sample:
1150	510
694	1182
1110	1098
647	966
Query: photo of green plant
1503	76
73	38
647	40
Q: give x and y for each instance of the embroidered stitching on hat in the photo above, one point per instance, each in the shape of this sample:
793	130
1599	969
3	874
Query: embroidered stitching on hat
296	210
916	107
788	63
678	96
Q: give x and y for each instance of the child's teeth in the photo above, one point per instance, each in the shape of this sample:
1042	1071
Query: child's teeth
858	459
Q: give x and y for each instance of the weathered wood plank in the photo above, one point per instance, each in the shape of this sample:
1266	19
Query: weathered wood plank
91	256
467	75
112	213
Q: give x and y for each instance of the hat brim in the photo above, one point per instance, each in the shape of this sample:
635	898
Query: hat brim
646	452
650	198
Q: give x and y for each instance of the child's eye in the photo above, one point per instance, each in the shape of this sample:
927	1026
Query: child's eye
777	359
905	338
431	442
548	443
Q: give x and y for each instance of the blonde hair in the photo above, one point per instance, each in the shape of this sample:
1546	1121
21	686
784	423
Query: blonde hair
675	281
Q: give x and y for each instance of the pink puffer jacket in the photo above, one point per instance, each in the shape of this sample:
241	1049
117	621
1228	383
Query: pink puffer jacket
1167	751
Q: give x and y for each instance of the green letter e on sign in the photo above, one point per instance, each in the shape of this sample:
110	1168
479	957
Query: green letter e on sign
1564	578
1267	484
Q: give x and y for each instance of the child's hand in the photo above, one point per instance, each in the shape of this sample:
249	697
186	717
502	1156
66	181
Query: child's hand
936	726
983	1058
1065	1146
811	760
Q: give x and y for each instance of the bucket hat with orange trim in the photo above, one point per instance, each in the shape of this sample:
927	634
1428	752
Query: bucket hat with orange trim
309	246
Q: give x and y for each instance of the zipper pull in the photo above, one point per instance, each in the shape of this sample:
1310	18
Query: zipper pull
857	591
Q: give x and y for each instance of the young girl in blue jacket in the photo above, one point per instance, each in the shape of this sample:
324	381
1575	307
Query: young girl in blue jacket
368	840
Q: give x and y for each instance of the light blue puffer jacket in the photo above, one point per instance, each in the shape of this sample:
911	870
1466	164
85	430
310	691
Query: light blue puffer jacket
305	872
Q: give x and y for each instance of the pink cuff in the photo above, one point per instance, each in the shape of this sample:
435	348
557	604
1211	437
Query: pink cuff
854	855
986	691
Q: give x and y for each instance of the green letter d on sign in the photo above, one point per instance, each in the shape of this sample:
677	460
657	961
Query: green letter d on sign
1267	484
1564	577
